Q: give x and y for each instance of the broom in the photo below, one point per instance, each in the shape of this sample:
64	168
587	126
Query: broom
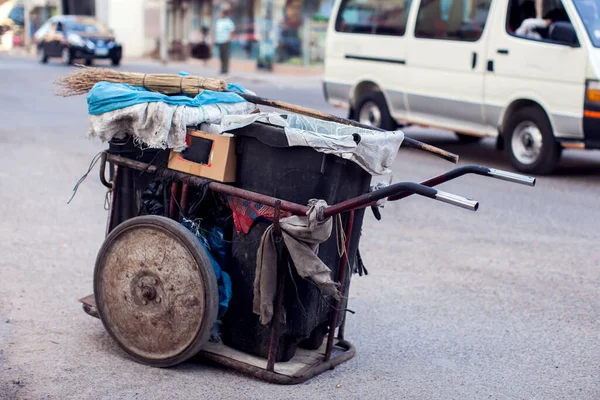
84	80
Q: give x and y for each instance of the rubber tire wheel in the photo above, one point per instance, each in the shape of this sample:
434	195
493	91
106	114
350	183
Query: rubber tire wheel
44	57
116	61
205	270
468	138
387	122
551	149
70	59
89	62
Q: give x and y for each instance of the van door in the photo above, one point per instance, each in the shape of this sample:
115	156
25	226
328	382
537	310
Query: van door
446	65
366	53
533	67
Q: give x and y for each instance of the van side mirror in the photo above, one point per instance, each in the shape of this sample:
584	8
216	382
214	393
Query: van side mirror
564	33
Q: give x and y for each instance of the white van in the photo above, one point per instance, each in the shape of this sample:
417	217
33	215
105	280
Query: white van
524	71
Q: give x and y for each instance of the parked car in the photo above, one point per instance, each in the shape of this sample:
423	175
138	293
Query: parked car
76	37
468	68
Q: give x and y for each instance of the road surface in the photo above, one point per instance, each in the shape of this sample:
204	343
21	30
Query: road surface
502	303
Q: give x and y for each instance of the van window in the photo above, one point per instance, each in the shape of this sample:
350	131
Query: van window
588	11
529	19
375	17
452	19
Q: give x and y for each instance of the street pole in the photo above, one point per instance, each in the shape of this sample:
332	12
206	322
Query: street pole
163	31
27	24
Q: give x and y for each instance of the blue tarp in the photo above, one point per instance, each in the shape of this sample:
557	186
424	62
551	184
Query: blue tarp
213	248
106	97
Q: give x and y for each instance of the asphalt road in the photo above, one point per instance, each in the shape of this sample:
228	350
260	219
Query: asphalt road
501	303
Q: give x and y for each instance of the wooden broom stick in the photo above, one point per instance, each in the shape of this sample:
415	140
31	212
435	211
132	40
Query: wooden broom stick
408	142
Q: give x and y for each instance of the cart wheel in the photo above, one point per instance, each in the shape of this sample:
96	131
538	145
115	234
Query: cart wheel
156	290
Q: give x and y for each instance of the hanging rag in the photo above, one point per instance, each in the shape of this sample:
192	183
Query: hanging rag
302	236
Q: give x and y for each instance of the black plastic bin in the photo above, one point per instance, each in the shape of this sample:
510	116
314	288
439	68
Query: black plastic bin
131	183
266	164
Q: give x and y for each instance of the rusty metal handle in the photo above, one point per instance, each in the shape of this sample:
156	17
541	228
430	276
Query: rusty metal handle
392	190
470	169
103	180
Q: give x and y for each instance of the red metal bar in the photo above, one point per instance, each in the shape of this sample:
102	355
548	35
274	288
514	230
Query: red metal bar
184	200
173	202
288	206
344	260
278	309
195	181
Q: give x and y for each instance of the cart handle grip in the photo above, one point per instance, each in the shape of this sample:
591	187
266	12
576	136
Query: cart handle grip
470	169
511	177
401	187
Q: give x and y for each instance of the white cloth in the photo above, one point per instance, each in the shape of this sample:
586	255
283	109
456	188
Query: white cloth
224	27
528	26
375	152
159	125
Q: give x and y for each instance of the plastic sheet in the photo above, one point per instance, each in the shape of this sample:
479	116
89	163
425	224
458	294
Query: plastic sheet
374	151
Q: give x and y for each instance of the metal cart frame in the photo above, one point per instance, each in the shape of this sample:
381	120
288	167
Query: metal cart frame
336	348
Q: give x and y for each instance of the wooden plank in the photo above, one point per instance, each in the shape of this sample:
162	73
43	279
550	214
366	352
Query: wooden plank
300	363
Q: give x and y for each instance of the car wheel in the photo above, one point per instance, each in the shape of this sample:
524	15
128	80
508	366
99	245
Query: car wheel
42	57
531	146
468	138
66	56
116	61
372	110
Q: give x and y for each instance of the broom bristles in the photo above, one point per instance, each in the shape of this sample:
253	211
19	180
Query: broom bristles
84	80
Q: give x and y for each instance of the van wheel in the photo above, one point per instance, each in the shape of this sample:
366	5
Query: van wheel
468	138
531	144
372	110
42	57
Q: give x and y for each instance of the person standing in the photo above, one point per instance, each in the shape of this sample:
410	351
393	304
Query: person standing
224	27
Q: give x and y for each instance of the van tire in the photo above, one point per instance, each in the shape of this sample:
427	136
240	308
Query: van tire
377	103
527	119
468	138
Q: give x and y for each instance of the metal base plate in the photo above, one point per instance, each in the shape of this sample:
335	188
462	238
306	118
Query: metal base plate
303	366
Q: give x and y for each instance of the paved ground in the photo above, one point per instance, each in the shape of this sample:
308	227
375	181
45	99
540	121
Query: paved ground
501	304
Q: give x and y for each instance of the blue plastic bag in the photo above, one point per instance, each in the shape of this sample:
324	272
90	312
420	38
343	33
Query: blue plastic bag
223	279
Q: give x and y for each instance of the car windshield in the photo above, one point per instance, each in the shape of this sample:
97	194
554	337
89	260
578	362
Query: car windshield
588	11
85	26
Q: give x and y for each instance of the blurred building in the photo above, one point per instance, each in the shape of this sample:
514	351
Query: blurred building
268	32
12	19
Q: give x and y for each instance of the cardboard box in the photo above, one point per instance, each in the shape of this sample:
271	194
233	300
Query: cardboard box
208	155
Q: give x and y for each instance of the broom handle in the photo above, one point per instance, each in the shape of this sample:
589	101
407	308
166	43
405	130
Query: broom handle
415	144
